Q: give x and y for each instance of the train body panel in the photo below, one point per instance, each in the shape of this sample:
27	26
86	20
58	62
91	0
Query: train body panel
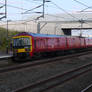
82	43
62	43
87	42
90	42
49	44
40	44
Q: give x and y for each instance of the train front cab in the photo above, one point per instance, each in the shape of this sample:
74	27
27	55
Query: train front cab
22	47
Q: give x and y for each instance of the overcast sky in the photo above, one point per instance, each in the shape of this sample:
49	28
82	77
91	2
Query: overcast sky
50	8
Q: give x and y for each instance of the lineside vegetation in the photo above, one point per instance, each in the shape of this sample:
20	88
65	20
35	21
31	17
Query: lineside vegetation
3	38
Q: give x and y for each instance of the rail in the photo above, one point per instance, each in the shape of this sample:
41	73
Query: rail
56	80
40	62
88	87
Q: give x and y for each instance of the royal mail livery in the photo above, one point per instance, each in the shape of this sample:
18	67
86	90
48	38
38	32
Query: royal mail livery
28	45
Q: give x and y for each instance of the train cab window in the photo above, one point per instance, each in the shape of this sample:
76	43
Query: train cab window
23	41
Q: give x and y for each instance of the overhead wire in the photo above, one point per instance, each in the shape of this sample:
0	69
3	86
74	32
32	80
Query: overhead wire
53	15
83	9
64	11
9	5
81	3
33	8
78	20
27	12
53	4
2	6
87	7
31	1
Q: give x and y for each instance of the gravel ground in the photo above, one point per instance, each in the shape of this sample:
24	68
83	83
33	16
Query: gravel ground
7	63
75	85
16	79
4	63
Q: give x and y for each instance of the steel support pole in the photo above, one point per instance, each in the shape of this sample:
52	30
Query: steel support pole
81	27
43	7
38	27
5	8
7	39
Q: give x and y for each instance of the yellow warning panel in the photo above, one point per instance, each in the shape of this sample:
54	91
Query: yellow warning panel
21	50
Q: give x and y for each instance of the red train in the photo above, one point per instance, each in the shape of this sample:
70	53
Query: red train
26	45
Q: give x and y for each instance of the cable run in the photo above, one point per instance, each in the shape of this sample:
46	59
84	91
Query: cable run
80	20
64	11
87	7
14	6
33	8
81	3
30	1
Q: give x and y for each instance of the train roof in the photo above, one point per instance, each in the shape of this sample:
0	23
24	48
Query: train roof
45	35
38	35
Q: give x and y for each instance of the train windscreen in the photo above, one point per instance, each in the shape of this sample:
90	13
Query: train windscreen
21	42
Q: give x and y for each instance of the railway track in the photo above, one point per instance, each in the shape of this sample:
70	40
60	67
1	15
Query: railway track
53	81
87	88
40	62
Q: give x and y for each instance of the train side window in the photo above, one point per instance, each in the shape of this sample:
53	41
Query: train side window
34	43
73	38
